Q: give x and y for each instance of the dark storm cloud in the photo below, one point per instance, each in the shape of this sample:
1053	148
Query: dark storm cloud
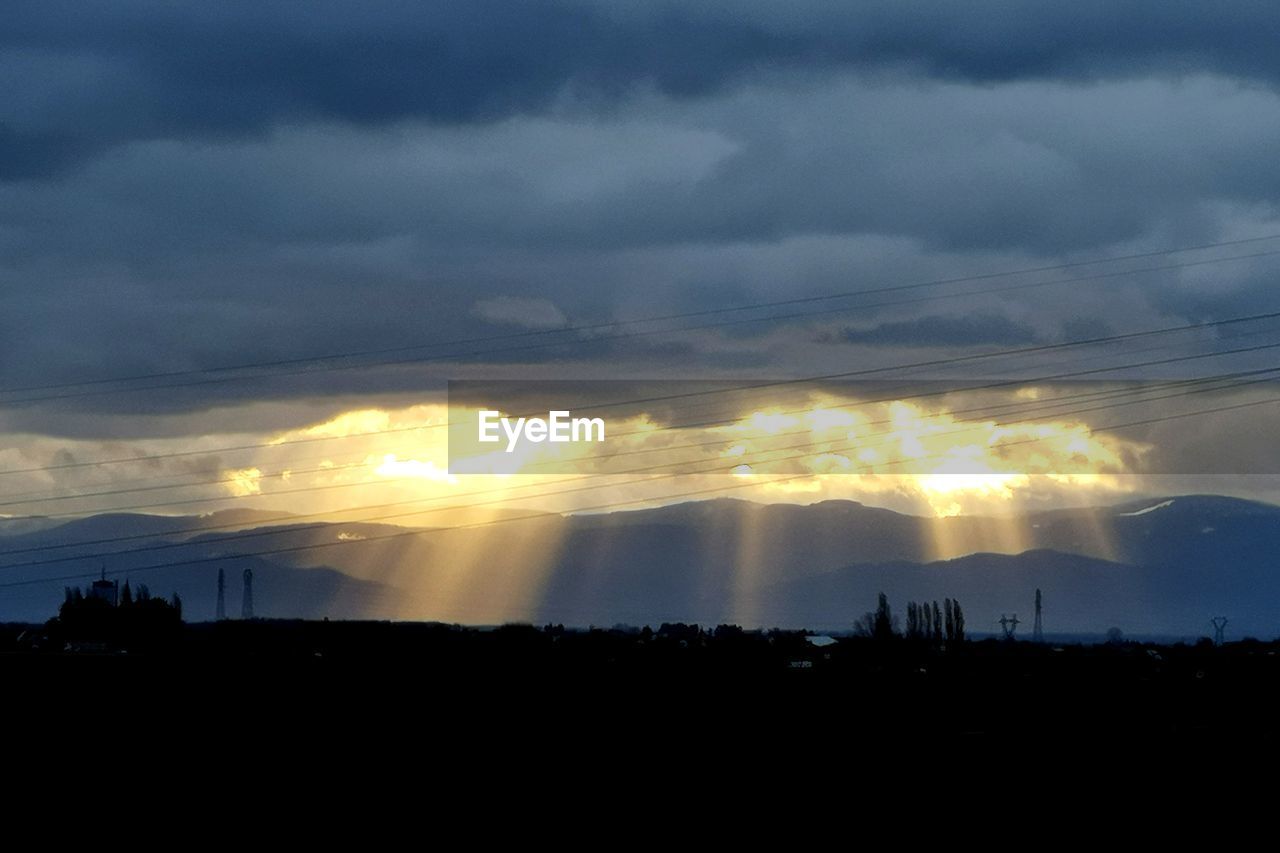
1041	166
945	331
78	78
226	183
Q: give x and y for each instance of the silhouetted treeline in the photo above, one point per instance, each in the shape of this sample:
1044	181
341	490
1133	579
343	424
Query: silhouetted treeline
926	622
101	616
668	682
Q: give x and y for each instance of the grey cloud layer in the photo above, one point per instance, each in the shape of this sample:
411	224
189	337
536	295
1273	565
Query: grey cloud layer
188	185
946	331
1045	167
78	78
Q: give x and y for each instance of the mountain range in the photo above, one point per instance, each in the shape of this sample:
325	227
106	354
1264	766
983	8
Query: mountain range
1157	566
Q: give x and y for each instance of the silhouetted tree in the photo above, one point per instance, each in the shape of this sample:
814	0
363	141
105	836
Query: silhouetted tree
878	625
679	631
937	623
884	627
133	622
959	621
949	623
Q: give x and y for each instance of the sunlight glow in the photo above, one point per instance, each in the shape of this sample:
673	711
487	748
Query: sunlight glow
245	481
916	458
393	467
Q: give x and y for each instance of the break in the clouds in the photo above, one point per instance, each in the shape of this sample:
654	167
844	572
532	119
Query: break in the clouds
191	185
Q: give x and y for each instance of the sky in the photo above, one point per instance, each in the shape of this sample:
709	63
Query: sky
191	186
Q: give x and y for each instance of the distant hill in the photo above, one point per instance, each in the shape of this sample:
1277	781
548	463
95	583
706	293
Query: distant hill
25	524
37	529
1164	565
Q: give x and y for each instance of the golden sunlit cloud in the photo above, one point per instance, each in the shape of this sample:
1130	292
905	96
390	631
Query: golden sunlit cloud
913	457
428	470
394	466
244	482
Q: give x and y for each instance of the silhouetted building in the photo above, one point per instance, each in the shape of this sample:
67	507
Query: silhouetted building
108	591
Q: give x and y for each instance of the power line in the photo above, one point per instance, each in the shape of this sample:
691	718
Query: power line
984	387
1034	407
651	332
939	362
859	444
1046	405
170	503
180	454
651	319
44	497
283	473
540	515
57	495
988	386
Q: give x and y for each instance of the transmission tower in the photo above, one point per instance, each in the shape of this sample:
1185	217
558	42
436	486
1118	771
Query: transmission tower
222	595
1009	624
246	609
1037	628
1219	626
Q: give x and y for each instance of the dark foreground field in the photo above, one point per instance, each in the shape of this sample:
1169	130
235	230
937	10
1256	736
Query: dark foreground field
622	695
